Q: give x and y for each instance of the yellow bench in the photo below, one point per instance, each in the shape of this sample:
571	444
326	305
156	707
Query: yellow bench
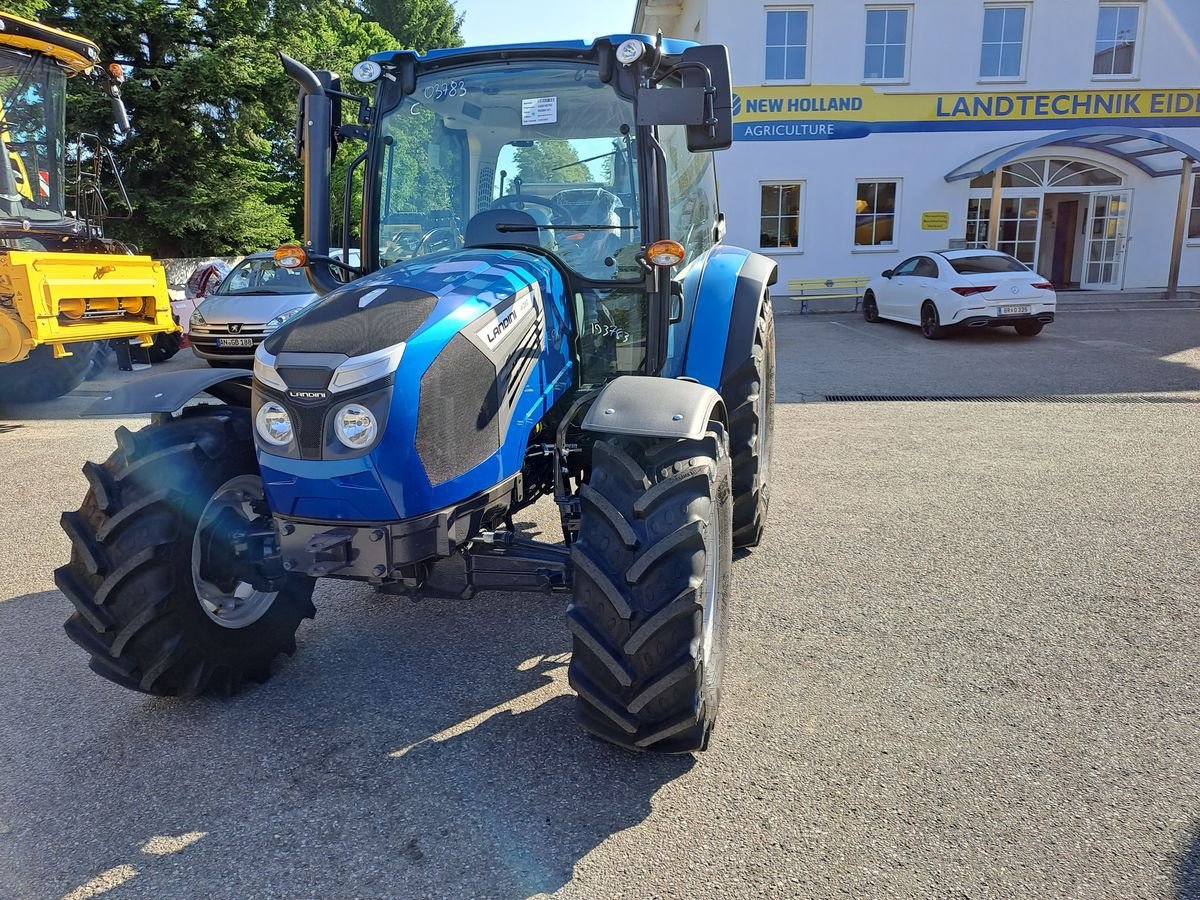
805	289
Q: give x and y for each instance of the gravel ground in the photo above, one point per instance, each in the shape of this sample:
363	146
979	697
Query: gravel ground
962	664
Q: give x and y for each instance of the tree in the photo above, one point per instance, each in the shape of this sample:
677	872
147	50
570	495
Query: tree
551	161
209	164
417	24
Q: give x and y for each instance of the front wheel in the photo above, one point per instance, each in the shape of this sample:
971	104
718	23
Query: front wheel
166	345
870	308
652	580
174	576
930	324
41	377
750	398
1029	329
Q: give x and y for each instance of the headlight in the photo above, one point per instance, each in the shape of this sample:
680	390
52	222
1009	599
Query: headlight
264	369
274	424
198	319
284	317
355	426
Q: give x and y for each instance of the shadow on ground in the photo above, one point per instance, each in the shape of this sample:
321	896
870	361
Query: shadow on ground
408	749
1187	877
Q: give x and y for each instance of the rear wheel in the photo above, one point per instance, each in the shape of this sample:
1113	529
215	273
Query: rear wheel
652	578
165	346
750	398
1029	329
930	325
870	308
171	573
41	377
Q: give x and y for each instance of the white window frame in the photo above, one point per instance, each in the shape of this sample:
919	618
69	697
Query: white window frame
808	44
894	246
1020	76
1136	67
1193	210
800	215
908	48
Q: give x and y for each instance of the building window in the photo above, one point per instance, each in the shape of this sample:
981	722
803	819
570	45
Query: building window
780	216
1003	51
887	44
1116	40
1019	225
787	45
875	214
1194	212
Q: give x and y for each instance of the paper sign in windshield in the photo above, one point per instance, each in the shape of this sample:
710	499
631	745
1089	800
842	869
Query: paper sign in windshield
539	110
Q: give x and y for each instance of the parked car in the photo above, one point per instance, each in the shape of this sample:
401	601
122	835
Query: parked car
947	289
204	279
255	298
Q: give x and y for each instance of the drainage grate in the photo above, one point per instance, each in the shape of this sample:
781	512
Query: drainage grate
1003	398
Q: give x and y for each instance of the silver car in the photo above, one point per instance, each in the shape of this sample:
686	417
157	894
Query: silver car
254	299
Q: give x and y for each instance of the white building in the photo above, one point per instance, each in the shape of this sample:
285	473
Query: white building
867	131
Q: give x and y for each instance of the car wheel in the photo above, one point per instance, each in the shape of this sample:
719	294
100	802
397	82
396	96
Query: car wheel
1029	329
870	308
930	325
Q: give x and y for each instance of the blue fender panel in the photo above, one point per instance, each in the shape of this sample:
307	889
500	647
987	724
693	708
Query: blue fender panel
719	333
171	390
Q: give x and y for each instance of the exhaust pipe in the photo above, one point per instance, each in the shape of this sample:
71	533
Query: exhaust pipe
314	144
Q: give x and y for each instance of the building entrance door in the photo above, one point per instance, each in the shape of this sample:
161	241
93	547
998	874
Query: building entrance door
1107	235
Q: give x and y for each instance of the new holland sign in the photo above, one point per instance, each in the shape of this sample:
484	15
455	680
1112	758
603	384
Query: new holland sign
845	112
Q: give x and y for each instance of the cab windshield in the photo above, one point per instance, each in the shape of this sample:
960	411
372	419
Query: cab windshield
32	124
549	141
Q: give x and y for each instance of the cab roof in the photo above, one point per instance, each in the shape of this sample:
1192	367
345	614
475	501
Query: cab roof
670	46
74	53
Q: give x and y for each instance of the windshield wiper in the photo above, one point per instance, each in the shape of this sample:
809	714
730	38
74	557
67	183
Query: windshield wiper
511	228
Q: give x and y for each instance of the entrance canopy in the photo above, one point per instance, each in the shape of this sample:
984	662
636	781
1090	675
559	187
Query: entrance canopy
1154	153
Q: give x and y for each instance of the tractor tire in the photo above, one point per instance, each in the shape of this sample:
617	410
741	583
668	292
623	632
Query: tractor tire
750	399
40	377
652	570
161	518
165	346
101	354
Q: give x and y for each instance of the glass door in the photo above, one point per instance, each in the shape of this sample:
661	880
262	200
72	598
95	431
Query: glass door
1107	234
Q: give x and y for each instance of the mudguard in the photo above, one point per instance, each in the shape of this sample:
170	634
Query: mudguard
645	406
721	301
170	391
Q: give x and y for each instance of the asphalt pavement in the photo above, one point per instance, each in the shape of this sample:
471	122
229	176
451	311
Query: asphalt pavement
963	664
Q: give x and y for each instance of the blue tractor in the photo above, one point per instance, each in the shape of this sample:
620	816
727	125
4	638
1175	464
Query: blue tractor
544	307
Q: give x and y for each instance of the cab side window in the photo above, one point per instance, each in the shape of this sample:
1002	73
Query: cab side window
692	187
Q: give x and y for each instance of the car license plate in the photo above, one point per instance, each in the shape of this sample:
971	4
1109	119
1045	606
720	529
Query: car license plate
235	342
1015	310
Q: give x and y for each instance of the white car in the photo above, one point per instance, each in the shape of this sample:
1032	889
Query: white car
947	289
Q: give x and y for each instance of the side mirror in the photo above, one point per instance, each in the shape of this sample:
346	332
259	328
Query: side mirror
120	115
886	273
702	100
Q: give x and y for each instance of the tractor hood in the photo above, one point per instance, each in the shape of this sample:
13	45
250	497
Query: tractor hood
446	352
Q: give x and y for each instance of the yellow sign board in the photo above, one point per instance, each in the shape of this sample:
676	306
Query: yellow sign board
935	221
832	112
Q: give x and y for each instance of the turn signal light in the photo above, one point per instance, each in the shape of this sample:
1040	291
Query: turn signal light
665	253
291	256
968	291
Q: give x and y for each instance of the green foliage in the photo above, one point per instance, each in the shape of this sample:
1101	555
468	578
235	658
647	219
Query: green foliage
417	24
30	9
551	161
209	164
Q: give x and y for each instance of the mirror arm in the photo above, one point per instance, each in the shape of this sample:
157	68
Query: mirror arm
710	92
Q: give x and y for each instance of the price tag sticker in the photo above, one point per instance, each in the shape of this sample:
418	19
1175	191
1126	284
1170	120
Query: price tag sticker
539	111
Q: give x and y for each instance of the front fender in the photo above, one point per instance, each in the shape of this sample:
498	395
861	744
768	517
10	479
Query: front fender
719	335
646	406
170	391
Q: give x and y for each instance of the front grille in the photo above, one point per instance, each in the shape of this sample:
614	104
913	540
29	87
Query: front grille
458	425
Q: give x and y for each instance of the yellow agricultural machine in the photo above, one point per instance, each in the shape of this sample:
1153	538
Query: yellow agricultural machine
66	291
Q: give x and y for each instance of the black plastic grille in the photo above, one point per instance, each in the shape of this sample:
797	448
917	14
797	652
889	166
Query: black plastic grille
458	425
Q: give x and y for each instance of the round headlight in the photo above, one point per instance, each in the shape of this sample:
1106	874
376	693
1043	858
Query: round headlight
366	71
274	424
630	51
355	426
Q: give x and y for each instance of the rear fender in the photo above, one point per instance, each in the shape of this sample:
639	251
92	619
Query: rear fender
645	406
718	336
170	391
